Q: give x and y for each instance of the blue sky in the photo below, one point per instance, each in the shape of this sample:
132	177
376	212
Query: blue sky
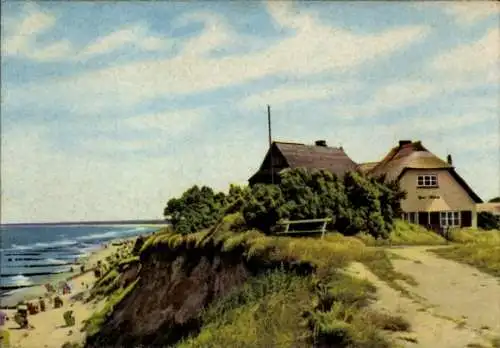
109	109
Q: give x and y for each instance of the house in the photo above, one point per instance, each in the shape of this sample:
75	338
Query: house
437	196
286	155
491	207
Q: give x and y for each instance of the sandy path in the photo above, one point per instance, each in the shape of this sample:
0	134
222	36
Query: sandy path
454	305
456	290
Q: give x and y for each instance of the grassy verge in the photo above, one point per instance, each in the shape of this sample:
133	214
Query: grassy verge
284	310
480	249
404	233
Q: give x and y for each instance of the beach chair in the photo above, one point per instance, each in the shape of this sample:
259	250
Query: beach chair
42	304
69	319
32	308
21	317
58	302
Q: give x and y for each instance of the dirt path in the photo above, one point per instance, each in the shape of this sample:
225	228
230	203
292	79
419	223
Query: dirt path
453	305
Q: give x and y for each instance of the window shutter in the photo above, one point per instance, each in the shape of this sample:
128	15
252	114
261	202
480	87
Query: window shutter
435	218
466	218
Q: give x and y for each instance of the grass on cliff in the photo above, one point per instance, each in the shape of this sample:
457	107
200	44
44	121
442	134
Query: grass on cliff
94	323
477	248
405	233
283	309
280	309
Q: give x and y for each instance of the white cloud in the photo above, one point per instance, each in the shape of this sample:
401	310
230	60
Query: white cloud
59	186
136	35
21	39
215	34
286	94
173	122
314	48
481	57
20	35
470	12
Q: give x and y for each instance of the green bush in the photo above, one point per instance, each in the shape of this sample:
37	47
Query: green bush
488	221
356	203
405	233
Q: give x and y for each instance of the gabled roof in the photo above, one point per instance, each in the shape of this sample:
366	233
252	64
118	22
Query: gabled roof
413	155
410	155
333	159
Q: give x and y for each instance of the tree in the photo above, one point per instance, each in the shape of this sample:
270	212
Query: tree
264	207
195	209
495	200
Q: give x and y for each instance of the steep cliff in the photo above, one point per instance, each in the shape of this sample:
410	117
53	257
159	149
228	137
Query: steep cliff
216	288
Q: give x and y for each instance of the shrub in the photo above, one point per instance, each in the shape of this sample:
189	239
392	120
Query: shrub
196	209
354	204
488	221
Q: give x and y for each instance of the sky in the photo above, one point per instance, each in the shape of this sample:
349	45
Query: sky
109	109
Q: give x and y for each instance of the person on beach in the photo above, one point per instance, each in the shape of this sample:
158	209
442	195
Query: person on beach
3	318
42	304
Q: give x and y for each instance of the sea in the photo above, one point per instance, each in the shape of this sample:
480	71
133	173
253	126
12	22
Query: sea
31	256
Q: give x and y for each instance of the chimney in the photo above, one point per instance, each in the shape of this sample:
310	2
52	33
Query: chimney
449	160
320	143
404	142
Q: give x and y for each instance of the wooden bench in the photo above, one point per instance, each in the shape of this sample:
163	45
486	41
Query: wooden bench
287	224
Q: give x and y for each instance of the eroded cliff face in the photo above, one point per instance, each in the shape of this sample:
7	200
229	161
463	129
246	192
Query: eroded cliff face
171	291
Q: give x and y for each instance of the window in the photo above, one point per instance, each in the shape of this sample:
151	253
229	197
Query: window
411	217
429	180
449	218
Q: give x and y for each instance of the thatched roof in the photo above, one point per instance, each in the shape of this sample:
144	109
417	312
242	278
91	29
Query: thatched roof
333	159
413	155
407	155
296	155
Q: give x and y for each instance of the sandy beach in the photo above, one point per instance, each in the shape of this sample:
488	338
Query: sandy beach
49	330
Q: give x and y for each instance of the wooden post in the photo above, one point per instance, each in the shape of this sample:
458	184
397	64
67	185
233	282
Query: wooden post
270	143
323	228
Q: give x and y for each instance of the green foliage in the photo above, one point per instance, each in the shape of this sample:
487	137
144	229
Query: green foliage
357	203
404	233
488	221
264	312
495	200
264	206
196	209
94	323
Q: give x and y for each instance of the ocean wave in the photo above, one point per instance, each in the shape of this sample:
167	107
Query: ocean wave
112	234
39	245
19	280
